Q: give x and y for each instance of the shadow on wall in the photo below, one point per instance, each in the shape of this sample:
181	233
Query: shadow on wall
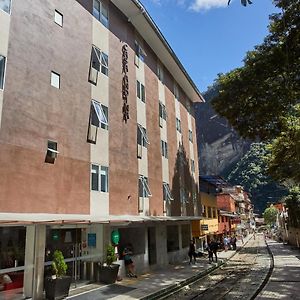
184	187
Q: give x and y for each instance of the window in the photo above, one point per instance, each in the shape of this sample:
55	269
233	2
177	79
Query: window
100	12
139	54
167	196
52	152
95	178
178	125
160	72
176	91
162	113
144	190
192	166
99	62
55	80
99	178
104	179
2	71
142	140
58	18
5	5
164	149
98	118
190	135
140	91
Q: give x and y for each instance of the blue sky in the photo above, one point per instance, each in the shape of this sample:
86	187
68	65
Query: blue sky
208	36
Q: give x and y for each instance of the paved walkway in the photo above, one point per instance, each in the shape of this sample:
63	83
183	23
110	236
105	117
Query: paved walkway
284	282
146	284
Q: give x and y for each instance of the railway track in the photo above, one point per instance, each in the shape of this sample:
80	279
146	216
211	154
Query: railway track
239	278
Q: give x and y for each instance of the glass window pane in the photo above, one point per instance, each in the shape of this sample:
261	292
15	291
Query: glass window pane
96	9
143	92
99	111
105	111
2	70
138	89
58	18
104	64
104	179
104	15
141	188
95	178
5	5
139	135
55	80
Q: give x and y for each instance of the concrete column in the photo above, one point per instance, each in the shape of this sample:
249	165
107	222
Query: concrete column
29	261
39	259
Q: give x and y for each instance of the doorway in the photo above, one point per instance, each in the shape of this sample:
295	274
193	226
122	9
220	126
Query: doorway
152	245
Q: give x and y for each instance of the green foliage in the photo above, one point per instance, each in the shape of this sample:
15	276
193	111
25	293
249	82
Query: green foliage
59	266
293	204
270	215
110	254
284	151
255	97
250	172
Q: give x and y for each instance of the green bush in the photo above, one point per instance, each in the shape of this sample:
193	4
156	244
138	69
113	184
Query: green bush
59	266
110	254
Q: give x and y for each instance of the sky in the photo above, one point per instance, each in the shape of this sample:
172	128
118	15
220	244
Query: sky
208	36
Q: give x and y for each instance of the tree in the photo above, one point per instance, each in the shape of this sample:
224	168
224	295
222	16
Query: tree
260	99
293	204
255	97
270	215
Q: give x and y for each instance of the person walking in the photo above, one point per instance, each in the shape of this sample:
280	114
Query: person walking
210	251
214	248
192	251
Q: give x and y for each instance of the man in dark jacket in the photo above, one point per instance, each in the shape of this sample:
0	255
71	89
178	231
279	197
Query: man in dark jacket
214	248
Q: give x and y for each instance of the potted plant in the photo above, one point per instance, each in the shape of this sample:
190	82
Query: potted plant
57	286
108	272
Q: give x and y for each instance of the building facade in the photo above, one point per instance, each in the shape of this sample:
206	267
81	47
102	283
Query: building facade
97	135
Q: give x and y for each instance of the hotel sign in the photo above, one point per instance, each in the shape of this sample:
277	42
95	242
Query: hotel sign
125	83
204	226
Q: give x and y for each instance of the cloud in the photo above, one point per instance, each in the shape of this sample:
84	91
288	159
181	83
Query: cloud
201	5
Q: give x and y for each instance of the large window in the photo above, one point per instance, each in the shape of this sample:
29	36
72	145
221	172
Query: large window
167	195
5	5
100	12
99	178
99	63
162	113
142	140
98	118
164	149
139	54
2	71
140	91
144	190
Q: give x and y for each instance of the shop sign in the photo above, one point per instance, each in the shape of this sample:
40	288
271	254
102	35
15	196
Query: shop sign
115	237
91	239
125	83
204	226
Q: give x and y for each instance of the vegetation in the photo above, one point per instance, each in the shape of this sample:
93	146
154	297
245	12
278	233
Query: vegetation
270	215
110	255
293	204
59	266
260	99
250	172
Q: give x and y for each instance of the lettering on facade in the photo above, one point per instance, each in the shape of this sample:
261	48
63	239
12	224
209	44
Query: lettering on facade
125	83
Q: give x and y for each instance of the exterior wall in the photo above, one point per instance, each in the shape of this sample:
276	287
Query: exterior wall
209	200
33	111
225	202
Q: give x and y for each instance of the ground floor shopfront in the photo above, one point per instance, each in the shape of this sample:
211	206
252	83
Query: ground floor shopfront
26	251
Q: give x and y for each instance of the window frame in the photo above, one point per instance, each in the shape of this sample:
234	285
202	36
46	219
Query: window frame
140	91
58	13
167	195
104	171
100	171
102	18
191	136
7	12
4	73
178	125
146	192
53	73
164	149
144	136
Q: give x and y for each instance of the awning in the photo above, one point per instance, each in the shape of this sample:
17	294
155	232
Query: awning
26	219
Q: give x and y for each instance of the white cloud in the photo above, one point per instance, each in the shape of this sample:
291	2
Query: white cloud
199	5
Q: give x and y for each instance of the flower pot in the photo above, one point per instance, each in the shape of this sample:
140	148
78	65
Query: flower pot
57	288
108	274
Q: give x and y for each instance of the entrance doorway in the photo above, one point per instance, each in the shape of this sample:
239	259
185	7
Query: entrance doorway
152	245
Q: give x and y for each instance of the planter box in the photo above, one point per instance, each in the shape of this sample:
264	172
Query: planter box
108	274
57	288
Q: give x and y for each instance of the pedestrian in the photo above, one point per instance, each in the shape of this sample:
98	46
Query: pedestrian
233	242
210	251
214	248
226	243
129	265
192	251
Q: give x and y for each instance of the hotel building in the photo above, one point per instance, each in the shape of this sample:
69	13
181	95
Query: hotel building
97	136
